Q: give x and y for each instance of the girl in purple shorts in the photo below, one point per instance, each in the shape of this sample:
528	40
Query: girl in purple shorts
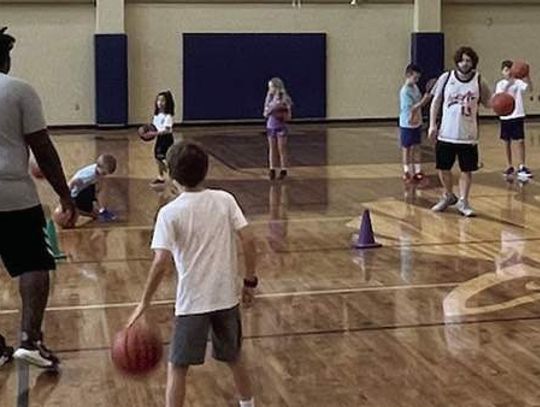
277	111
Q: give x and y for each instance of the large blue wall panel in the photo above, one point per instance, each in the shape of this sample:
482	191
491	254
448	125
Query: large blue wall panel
427	51
111	80
225	75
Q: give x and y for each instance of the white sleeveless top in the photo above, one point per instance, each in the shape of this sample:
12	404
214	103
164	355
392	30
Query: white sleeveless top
459	123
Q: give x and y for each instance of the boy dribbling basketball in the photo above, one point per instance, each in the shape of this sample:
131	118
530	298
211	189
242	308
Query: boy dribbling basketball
198	229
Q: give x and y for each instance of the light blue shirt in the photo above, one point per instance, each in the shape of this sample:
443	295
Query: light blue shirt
408	97
85	177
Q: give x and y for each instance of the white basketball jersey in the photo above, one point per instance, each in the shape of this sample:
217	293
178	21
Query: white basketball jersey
460	110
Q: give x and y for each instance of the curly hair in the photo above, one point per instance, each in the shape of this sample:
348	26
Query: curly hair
7	43
471	53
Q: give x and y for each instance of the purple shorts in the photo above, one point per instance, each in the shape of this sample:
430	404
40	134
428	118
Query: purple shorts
277	133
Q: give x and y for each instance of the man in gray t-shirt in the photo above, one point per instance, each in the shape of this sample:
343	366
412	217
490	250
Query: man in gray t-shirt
23	248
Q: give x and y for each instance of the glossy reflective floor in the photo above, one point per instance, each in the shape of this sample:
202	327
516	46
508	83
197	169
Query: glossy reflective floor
446	313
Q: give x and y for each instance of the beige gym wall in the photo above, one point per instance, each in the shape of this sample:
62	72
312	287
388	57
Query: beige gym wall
496	33
54	52
368	47
366	50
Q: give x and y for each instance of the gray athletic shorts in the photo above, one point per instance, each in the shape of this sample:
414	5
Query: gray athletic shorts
188	343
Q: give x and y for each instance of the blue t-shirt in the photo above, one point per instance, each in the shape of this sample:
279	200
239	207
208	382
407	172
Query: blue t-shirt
408	97
85	177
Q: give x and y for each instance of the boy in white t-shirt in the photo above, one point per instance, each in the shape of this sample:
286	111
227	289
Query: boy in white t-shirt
198	230
513	125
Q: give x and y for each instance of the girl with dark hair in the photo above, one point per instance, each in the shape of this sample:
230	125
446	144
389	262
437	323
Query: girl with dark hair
163	122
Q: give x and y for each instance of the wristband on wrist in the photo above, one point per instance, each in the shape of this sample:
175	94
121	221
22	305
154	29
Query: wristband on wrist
251	283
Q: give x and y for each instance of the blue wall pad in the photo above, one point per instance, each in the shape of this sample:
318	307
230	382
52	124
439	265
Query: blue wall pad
111	80
427	51
225	76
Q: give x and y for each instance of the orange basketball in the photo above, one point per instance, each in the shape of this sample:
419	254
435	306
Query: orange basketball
519	70
281	113
503	104
35	170
137	350
147	132
60	217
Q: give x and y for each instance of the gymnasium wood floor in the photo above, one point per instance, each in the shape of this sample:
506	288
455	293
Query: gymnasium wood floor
446	313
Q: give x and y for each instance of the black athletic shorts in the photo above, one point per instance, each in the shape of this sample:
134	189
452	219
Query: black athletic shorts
163	143
86	198
513	129
23	245
446	154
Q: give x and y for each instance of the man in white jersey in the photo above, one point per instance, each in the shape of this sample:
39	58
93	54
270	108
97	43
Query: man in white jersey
23	248
458	92
513	125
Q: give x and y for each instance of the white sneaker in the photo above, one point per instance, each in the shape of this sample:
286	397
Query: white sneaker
37	355
464	208
445	201
524	173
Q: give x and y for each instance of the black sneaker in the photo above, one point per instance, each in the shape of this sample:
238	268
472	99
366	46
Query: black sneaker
37	354
6	352
282	174
272	174
157	182
509	172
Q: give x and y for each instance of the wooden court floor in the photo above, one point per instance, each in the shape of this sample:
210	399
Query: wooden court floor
446	313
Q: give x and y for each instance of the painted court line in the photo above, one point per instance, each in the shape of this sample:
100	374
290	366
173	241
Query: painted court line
252	222
23	383
260	296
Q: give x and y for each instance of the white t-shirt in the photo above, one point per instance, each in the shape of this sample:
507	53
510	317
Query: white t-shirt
459	123
21	114
516	89
84	178
162	120
199	229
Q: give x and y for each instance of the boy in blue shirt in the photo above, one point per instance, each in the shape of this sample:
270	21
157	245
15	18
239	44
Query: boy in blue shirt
410	123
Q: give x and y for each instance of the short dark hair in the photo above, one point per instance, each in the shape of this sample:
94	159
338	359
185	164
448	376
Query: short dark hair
108	161
169	102
188	163
6	45
506	64
458	56
412	68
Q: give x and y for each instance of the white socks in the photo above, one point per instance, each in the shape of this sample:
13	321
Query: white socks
417	168
247	403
